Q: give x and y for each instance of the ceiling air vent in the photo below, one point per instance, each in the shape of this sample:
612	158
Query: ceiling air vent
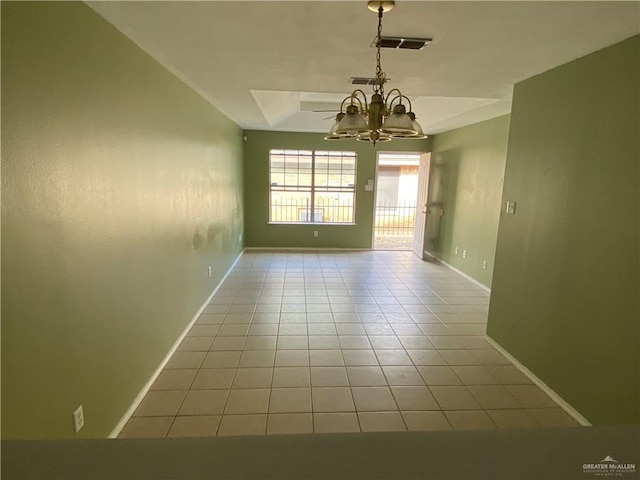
404	43
364	80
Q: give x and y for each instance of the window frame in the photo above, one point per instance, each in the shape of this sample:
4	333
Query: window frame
313	188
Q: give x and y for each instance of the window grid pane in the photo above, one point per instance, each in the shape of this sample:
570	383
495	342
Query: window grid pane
291	169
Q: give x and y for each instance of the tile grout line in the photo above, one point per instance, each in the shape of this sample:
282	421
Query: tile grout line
175	417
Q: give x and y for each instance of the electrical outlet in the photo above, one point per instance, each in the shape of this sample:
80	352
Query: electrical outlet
464	254
315	233
484	265
240	238
510	209
455	251
209	272
78	419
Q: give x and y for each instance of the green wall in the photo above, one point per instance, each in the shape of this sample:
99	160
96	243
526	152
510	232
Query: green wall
465	188
566	279
259	233
120	186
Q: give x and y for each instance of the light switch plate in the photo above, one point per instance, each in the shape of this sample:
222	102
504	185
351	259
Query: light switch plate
511	207
369	185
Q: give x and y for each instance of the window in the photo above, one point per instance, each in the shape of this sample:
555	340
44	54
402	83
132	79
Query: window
312	186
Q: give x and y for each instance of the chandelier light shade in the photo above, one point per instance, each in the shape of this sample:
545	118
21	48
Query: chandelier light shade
352	123
398	122
416	127
382	118
332	135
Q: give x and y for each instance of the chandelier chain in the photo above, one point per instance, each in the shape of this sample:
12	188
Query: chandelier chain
379	86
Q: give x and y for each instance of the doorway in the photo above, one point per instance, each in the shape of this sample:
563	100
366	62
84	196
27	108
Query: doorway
401	192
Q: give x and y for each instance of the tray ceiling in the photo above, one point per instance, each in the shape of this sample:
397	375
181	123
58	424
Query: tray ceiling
269	64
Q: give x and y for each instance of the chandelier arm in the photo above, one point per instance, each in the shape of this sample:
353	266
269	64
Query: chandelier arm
351	97
408	101
398	96
343	102
354	94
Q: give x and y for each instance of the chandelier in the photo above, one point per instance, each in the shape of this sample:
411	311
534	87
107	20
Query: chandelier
382	118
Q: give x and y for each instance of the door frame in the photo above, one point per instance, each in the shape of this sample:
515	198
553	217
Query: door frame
375	189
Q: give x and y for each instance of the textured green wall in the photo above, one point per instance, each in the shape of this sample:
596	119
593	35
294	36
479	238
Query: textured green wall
565	285
256	186
120	186
465	184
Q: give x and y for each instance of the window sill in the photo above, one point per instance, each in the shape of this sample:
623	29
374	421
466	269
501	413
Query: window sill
313	224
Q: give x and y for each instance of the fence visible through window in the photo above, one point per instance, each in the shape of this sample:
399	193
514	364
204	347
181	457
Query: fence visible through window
288	210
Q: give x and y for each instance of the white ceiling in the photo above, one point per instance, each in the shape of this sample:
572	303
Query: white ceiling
266	64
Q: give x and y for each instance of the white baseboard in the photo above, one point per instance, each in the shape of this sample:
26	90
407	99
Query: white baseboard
543	386
528	373
136	402
460	272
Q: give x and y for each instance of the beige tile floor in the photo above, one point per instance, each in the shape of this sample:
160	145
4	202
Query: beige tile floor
320	342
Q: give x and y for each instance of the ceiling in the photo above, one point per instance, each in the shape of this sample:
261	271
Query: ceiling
268	64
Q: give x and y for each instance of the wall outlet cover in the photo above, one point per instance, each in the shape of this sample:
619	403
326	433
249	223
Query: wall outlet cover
78	419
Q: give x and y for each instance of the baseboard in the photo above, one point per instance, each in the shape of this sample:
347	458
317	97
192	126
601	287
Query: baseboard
528	373
125	418
460	272
543	386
